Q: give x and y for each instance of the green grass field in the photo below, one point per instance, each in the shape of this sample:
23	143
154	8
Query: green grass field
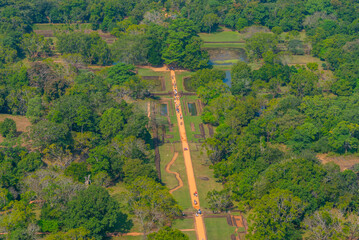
223	36
187	223
231	61
179	80
181	195
62	26
224	45
128	238
218	228
191	235
149	72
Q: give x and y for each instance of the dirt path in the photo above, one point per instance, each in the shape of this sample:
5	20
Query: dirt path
149	110
199	223
179	180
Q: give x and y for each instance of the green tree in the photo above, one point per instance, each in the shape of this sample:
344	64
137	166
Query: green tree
275	214
5	198
167	233
30	162
325	224
210	21
112	122
133	49
78	171
34	109
205	76
95	210
103	158
342	87
151	203
45	133
20	216
260	43
241	78
134	168
219	201
182	48
277	30
212	90
36	46
343	137
241	23
303	83
119	74
312	66
80	233
8	127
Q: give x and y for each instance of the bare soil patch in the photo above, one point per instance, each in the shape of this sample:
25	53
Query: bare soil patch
344	162
198	136
201	129
22	123
210	130
192	127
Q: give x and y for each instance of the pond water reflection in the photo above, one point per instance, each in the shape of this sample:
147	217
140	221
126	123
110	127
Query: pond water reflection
192	109
226	56
163	110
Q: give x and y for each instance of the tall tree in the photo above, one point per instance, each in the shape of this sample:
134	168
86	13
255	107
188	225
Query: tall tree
151	203
275	214
95	210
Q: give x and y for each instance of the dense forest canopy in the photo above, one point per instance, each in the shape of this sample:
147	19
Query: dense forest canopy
270	123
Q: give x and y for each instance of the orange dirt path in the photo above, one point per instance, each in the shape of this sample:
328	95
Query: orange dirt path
180	182
199	223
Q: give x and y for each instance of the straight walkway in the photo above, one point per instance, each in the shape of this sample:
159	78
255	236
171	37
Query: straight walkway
199	223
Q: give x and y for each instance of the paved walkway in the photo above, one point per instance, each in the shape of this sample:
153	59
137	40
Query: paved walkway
199	223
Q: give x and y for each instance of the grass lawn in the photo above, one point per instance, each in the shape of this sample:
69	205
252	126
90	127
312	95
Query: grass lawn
224	36
304	59
62	26
179	79
232	61
218	228
181	195
191	235
224	45
149	72
204	175
187	223
223	67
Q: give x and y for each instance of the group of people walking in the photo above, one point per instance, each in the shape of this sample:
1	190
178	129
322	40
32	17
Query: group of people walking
178	111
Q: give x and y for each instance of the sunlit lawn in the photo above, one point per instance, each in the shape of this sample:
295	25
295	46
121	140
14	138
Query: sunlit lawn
149	72
62	26
224	36
182	194
218	228
224	45
179	79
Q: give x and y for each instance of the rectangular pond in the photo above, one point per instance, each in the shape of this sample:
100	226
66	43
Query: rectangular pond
226	56
164	109
192	109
